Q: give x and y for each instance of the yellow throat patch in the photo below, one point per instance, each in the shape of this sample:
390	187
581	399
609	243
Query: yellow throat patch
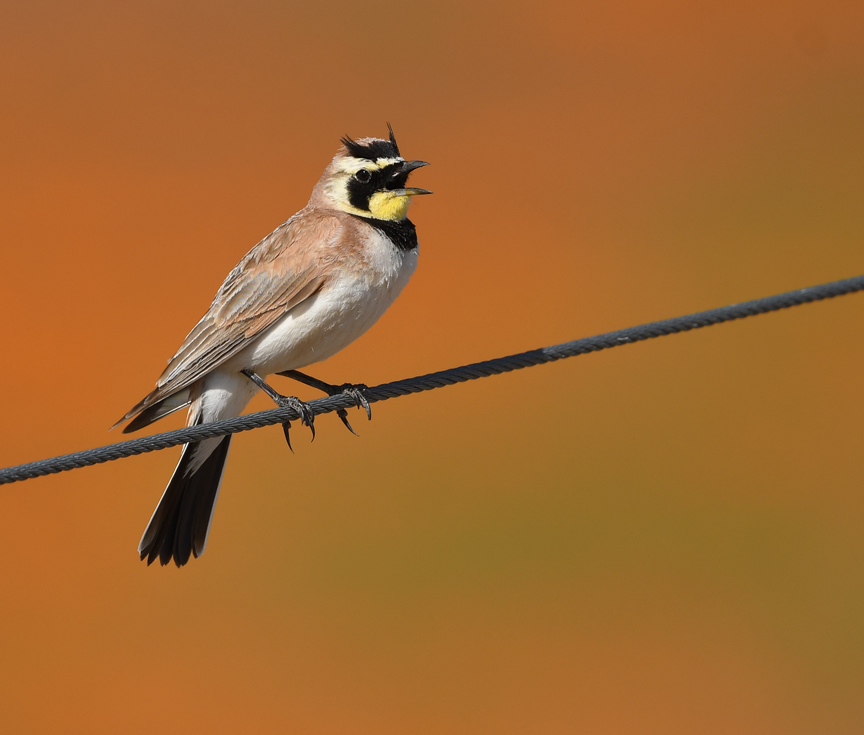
388	205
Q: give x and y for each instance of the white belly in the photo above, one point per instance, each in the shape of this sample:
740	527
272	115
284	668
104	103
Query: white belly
333	318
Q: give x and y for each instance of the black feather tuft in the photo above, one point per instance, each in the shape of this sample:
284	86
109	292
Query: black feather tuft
393	139
374	149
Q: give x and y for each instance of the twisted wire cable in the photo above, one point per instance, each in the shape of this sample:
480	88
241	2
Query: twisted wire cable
431	381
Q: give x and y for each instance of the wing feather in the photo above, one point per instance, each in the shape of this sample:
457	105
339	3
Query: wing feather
280	272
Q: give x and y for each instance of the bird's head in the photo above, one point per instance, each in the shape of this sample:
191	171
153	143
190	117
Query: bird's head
367	178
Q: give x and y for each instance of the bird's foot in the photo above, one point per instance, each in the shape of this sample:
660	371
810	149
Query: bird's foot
307	418
355	390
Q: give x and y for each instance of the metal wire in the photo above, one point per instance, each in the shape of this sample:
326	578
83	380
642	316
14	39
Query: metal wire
433	380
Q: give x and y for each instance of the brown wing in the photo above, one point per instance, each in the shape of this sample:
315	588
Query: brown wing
281	271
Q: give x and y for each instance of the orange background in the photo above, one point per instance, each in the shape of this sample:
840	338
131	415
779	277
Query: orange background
661	538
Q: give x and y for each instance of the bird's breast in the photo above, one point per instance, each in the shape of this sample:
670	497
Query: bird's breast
357	292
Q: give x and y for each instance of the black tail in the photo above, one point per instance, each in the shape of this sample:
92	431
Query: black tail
181	521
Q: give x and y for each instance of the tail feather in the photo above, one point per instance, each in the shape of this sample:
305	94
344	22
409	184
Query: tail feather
181	521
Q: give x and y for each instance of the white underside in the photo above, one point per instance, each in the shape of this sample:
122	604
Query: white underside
313	331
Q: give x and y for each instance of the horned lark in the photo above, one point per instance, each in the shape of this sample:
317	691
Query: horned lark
306	291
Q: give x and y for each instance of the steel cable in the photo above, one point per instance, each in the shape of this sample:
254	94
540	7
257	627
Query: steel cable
434	380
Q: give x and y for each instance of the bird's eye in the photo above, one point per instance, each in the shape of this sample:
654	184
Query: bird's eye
363	176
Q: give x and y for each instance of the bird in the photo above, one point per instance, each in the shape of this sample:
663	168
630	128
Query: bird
303	293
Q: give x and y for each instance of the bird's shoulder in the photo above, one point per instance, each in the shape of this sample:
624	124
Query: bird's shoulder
311	239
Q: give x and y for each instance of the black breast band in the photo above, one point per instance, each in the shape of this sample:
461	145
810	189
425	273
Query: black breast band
401	233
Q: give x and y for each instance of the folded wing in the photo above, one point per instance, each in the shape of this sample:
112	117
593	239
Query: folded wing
280	272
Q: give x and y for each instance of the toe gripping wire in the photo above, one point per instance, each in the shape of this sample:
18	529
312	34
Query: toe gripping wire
307	417
342	397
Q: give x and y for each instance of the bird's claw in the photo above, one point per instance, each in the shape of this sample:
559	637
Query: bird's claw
343	414
307	418
357	393
355	390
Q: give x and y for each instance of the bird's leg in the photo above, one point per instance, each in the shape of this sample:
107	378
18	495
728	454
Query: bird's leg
306	416
355	390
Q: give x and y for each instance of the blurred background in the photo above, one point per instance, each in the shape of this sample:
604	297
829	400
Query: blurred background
661	538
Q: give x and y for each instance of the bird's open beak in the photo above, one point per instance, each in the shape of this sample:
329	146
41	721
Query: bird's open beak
408	167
